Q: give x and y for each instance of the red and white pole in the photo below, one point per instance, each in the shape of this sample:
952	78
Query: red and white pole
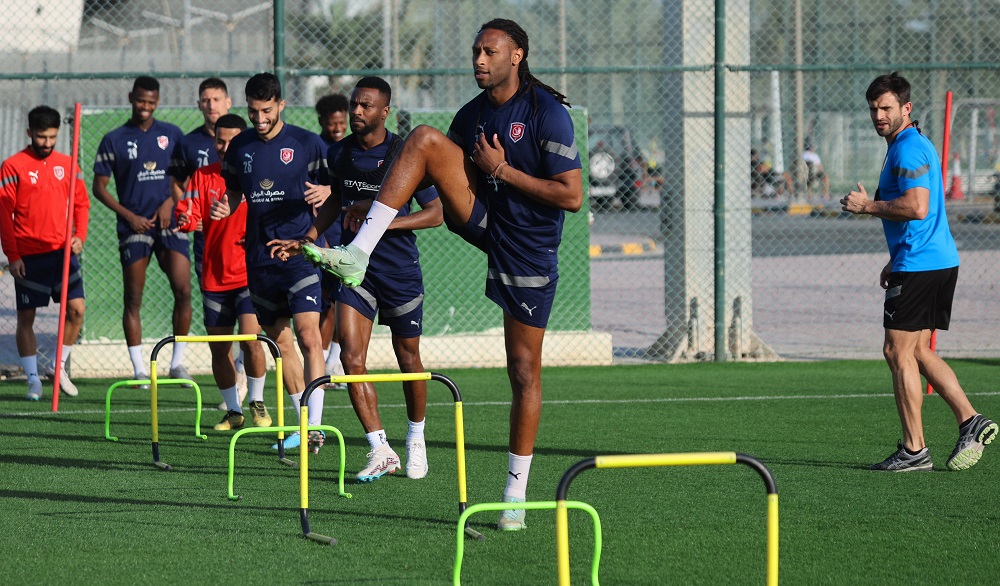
67	252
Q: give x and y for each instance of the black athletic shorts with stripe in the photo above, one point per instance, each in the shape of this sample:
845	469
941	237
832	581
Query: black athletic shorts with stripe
919	300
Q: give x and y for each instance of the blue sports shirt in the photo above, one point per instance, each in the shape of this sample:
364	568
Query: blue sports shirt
194	151
397	250
537	135
139	161
333	233
916	245
272	177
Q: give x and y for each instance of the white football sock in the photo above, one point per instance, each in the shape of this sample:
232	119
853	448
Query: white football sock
517	475
415	430
138	365
255	388
232	398
376	438
178	357
30	365
377	222
316	406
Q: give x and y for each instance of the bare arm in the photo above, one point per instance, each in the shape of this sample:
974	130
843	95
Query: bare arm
563	191
912	205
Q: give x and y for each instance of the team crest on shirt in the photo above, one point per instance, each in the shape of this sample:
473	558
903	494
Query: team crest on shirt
163	142
59	172
287	155
516	131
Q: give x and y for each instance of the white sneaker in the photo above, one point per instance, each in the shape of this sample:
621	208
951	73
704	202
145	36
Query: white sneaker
381	461
416	459
34	389
180	372
66	385
513	519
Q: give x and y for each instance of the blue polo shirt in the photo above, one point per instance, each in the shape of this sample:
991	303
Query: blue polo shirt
916	245
140	162
272	177
536	132
195	150
360	179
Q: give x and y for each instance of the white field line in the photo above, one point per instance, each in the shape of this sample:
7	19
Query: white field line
550	402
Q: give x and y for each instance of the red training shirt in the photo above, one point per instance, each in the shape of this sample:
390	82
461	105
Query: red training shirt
34	194
224	265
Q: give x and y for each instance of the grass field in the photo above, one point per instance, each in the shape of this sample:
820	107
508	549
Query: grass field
78	509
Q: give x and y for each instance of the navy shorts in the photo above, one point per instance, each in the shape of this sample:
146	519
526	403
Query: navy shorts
398	299
136	246
43	280
919	300
223	308
522	282
282	290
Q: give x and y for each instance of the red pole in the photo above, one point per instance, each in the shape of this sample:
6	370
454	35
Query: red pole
945	144
67	251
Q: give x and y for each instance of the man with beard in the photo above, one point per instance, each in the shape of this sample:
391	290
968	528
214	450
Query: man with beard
34	194
919	279
393	286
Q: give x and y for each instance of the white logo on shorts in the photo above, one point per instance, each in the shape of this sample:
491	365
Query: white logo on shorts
530	310
311	298
415	322
889	314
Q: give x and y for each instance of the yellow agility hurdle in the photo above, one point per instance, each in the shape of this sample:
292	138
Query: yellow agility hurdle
650	460
379	378
154	383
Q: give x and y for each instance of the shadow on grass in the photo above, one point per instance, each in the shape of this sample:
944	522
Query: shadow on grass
817	464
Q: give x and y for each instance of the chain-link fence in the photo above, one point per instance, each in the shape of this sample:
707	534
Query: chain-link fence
643	272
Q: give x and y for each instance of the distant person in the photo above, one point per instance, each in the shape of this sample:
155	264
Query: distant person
194	151
506	173
816	171
331	111
34	196
225	296
138	156
919	279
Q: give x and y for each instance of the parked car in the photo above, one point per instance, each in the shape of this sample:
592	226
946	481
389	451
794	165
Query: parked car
617	168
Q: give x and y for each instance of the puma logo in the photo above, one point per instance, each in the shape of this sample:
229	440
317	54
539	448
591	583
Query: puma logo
516	476
311	298
886	311
34	177
530	310
415	322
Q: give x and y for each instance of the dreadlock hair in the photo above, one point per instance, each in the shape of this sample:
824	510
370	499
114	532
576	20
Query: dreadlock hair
520	39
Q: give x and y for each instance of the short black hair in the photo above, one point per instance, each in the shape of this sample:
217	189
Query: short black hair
43	118
332	103
378	84
893	83
213	83
231	121
264	87
146	82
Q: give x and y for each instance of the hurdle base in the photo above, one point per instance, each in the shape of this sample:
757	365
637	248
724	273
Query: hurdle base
289	463
320	538
470	532
162	466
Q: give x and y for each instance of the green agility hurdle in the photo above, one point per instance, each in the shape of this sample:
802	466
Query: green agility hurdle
154	383
463	521
649	460
166	381
380	378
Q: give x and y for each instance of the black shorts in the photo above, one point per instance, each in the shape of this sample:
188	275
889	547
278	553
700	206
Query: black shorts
920	300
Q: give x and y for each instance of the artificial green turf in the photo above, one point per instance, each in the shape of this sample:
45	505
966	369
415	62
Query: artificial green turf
82	510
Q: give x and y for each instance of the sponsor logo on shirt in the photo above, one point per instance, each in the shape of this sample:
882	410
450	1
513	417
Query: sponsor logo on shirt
163	142
287	155
266	194
360	185
151	173
59	172
133	149
248	163
202	157
33	175
516	131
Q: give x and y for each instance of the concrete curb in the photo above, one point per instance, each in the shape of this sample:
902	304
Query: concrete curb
628	248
